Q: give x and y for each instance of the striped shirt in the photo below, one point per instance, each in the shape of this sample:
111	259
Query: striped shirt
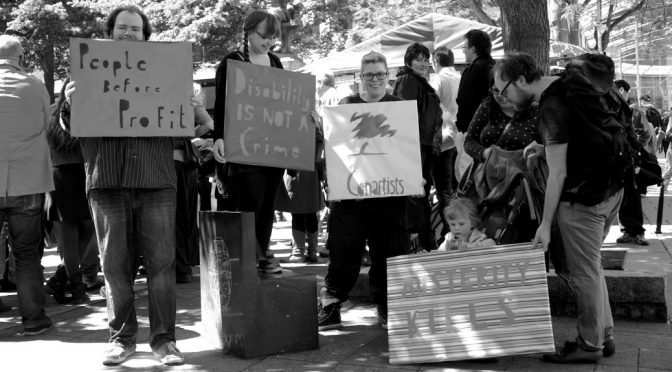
126	162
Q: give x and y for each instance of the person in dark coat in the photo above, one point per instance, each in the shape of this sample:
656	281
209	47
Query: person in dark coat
474	87
411	84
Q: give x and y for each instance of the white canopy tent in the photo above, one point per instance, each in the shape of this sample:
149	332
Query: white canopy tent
433	30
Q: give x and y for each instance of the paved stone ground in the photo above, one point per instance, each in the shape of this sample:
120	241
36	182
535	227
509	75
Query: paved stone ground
361	345
80	334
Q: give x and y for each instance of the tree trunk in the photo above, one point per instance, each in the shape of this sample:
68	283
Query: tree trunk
526	29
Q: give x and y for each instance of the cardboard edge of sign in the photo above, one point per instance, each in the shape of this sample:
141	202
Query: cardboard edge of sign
544	348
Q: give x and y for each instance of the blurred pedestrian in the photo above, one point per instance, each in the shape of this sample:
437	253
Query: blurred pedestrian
25	175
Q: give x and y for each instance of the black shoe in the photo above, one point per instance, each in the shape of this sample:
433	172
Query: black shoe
329	317
56	289
79	295
34	331
572	353
609	347
94	284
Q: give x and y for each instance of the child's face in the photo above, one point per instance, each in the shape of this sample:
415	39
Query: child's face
460	227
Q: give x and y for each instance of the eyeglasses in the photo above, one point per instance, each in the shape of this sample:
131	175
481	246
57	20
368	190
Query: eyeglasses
267	37
503	92
378	75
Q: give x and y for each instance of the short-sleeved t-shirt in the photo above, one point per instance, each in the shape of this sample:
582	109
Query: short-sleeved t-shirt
554	116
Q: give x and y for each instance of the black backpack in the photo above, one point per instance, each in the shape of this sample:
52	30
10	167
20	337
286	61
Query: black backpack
599	156
653	116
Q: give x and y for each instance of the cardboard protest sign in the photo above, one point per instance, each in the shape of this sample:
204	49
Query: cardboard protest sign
457	305
131	89
372	150
267	119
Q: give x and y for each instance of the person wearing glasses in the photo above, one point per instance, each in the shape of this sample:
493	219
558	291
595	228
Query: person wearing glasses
250	188
378	222
496	123
412	84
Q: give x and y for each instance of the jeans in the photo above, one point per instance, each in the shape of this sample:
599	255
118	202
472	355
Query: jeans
583	230
24	215
143	219
352	224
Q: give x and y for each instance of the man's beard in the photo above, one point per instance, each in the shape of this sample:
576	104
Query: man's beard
526	101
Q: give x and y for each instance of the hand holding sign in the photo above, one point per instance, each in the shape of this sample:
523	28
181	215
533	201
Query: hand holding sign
218	151
69	90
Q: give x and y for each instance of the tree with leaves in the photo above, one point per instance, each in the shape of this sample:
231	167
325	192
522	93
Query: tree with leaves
45	27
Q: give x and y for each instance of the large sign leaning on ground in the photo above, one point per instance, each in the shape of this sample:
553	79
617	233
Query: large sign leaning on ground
372	150
267	119
480	303
131	89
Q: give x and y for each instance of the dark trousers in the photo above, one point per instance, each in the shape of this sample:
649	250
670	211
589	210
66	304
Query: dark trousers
380	222
186	228
443	176
630	212
304	222
425	234
204	188
24	216
255	192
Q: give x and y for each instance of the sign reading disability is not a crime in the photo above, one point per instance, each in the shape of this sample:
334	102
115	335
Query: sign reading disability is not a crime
131	88
267	118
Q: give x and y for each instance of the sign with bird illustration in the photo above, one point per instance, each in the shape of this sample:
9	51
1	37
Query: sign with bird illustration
372	150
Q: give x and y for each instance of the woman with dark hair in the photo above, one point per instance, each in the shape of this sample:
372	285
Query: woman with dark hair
250	188
412	84
496	122
496	136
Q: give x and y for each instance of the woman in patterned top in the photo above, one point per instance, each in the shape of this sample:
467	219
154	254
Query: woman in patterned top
497	123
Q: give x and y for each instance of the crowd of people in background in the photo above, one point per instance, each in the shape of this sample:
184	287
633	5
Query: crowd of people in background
575	149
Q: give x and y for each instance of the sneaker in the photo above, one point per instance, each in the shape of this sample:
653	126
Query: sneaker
93	284
168	354
382	317
629	239
572	353
116	353
34	331
609	347
639	240
268	267
329	317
